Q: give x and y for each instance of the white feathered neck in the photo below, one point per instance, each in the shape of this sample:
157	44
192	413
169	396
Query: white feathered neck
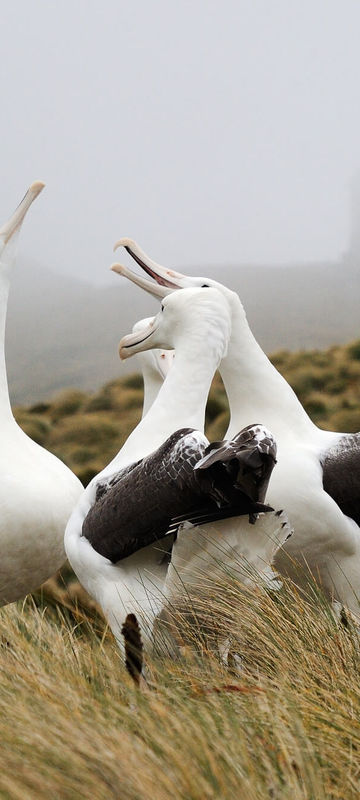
256	391
200	344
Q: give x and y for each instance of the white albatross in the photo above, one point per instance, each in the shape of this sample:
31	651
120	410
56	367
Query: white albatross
135	584
112	536
37	491
317	478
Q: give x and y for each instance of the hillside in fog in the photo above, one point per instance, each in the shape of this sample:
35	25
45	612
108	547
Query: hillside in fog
64	333
87	430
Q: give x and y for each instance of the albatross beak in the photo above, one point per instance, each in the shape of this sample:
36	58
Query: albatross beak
149	286
165	277
15	222
137	342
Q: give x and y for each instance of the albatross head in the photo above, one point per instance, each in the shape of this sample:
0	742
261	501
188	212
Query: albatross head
167	280
10	230
186	318
155	364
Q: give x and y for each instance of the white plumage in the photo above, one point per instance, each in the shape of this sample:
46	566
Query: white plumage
154	366
326	540
193	321
37	491
135	584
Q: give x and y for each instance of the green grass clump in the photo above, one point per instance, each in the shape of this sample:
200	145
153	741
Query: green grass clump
354	350
34	425
346	420
67	403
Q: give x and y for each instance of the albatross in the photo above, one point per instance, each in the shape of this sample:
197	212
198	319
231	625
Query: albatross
114	536
37	491
317	478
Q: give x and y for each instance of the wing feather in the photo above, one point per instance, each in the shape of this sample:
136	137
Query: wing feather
341	475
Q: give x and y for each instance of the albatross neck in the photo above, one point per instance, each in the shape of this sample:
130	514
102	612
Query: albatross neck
6	417
256	391
152	384
181	401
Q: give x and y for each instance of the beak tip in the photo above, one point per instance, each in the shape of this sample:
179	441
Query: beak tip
37	187
118	268
124	242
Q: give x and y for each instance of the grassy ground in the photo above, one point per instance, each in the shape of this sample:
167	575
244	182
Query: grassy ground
73	725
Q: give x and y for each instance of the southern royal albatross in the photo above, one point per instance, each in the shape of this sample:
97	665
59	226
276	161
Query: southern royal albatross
317	478
135	583
37	491
131	504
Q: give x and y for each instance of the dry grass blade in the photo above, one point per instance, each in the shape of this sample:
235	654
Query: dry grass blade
287	726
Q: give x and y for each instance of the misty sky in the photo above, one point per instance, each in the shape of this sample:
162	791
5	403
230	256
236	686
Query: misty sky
210	132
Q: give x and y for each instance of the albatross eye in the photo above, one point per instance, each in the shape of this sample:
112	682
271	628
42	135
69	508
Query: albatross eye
162	307
205	286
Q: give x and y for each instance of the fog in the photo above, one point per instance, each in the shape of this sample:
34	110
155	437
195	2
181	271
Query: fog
210	132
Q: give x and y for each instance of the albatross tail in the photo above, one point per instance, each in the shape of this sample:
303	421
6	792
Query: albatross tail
133	647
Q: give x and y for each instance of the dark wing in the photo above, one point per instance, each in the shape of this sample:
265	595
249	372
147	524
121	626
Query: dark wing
137	505
235	474
341	475
184	479
248	460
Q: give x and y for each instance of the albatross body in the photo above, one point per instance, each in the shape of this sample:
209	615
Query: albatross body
317	478
37	491
135	583
118	536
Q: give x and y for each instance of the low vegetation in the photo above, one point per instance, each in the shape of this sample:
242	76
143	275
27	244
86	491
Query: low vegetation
86	430
285	727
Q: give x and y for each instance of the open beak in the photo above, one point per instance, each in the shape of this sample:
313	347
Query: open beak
137	342
15	222
164	277
153	288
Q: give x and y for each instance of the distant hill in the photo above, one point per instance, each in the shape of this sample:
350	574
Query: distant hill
86	431
64	333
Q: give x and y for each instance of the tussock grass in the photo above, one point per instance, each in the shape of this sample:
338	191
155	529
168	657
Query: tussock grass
287	726
86	431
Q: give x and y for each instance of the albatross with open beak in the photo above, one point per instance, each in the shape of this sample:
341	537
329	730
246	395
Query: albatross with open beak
167	472
317	478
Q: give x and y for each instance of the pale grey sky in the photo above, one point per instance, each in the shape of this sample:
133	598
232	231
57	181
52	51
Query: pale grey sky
211	132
